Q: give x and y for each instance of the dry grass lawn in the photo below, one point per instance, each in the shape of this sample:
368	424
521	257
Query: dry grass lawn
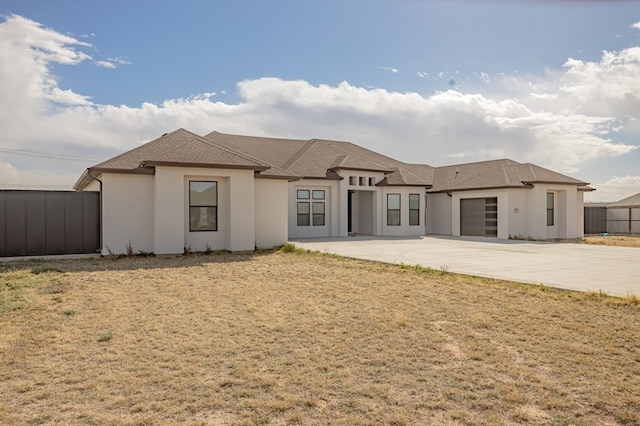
613	240
288	338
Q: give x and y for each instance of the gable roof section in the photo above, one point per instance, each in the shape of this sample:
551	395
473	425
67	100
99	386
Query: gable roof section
190	149
292	159
632	201
178	148
320	159
503	173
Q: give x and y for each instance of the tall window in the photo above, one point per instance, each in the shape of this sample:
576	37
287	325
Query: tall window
550	208
393	209
310	207
414	209
203	206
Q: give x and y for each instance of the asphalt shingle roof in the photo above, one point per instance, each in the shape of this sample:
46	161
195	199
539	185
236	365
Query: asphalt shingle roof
632	201
316	158
502	173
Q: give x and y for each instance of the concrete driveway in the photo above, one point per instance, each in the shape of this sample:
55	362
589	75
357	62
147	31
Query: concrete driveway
612	270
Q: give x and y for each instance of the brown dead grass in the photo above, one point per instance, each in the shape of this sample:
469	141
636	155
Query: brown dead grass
289	338
613	240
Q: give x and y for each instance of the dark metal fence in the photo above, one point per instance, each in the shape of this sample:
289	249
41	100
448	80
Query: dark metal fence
36	223
595	220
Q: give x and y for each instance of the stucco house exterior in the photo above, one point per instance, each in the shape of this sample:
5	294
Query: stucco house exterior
219	191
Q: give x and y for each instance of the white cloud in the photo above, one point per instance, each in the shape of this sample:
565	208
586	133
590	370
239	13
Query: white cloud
393	70
111	63
545	96
105	64
550	121
636	25
615	189
421	74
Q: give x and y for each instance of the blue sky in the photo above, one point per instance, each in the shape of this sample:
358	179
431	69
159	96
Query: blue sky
436	82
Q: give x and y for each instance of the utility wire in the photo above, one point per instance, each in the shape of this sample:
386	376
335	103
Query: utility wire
48	155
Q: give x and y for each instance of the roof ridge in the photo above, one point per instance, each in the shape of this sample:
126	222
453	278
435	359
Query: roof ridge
500	165
298	154
339	161
139	147
329	142
404	171
244	154
497	161
533	168
240	153
475	176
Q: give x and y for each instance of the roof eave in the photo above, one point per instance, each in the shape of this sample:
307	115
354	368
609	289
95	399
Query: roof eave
146	164
422	185
360	169
288	178
90	174
482	188
548	182
585	188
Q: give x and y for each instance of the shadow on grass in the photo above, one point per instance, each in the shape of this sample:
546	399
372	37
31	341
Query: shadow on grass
134	262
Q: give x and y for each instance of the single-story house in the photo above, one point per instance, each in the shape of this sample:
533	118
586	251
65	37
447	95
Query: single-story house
219	191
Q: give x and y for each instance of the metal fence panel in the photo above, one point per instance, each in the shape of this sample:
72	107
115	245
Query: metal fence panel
55	223
595	220
16	225
91	222
36	223
623	220
617	213
35	230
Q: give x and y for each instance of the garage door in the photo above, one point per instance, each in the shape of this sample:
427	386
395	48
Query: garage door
479	217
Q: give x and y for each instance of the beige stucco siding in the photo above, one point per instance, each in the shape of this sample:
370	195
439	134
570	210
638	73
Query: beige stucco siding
127	213
404	229
522	212
332	205
503	209
150	212
271	207
438	214
236	210
568	212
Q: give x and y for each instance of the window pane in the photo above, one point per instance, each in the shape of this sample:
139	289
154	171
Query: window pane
414	217
549	217
318	194
303	220
393	201
318	214
203	193
549	200
393	217
303	194
203	219
414	201
303	213
318	208
303	208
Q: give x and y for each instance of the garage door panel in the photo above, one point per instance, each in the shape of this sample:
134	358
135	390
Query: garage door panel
479	217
